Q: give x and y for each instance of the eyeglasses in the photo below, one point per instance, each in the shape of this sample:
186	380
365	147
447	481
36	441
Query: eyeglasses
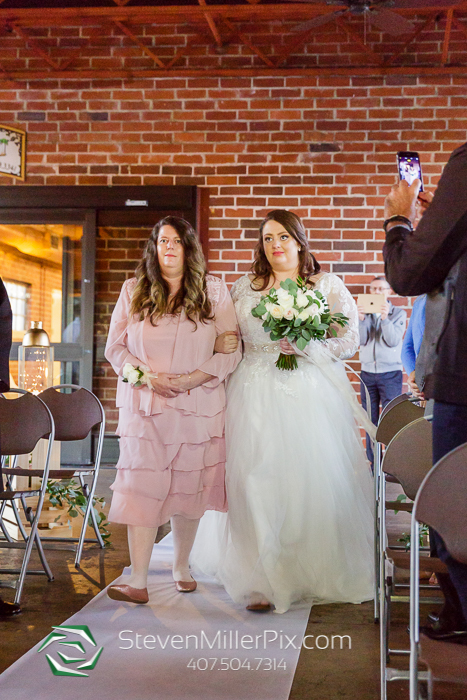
379	290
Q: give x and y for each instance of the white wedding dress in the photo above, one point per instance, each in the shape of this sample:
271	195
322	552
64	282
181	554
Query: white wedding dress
300	494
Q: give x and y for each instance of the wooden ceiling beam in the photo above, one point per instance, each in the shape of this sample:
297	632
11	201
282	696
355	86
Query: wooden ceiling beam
176	13
411	38
34	45
245	40
346	71
447	36
139	43
211	24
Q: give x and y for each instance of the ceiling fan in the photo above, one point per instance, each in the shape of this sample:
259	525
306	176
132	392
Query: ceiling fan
376	12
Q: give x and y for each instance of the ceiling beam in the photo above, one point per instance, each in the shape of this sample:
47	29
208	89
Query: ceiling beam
139	43
236	72
447	36
411	38
211	24
140	14
248	42
35	47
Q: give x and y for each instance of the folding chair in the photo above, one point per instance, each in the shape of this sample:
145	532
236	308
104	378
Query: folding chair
24	421
75	414
407	459
392	419
442	503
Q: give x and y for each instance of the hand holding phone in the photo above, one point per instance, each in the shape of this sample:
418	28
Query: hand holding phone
410	169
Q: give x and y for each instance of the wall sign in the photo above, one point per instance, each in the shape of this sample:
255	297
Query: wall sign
12	152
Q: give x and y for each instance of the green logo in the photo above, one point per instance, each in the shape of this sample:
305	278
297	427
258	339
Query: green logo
72	647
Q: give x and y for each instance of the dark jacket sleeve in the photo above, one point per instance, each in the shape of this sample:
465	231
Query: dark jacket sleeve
419	262
5	338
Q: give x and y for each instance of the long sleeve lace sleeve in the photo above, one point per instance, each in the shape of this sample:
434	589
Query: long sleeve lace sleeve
340	300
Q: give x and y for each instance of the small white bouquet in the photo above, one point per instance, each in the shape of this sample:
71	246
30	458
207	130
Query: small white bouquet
137	376
297	313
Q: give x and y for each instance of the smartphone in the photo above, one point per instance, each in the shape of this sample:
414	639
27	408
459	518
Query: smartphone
371	303
408	163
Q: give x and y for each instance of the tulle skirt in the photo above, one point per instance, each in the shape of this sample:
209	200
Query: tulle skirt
300	493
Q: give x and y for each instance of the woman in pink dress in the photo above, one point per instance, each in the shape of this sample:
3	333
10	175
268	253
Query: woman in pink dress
172	450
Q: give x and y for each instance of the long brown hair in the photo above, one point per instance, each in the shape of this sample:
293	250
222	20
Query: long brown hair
151	293
307	263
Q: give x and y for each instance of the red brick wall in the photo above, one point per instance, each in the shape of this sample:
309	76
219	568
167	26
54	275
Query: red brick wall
248	140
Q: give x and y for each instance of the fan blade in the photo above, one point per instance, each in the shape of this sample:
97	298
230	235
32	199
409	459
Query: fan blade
390	22
319	21
413	4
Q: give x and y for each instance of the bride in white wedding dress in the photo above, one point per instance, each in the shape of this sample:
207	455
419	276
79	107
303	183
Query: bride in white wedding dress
299	488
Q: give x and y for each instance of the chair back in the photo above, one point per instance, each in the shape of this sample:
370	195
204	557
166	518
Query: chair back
409	456
394	402
75	413
395	419
23	422
442	501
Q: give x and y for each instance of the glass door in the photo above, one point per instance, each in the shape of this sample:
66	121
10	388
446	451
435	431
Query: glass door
47	265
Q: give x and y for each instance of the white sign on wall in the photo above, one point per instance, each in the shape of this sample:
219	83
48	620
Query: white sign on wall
12	152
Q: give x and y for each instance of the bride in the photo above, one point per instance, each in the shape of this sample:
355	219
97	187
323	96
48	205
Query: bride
300	522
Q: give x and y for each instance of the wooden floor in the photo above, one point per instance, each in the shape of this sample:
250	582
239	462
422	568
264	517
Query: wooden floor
322	674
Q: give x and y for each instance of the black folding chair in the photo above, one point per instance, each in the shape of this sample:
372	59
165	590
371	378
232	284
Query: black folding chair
75	415
23	422
442	503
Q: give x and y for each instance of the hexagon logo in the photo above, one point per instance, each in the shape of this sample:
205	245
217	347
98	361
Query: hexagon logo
73	647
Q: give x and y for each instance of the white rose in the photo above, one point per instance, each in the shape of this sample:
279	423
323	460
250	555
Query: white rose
304	315
133	376
285	299
302	300
314	310
289	314
269	306
277	312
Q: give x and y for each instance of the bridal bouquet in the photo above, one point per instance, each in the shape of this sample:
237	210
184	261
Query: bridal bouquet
297	313
137	376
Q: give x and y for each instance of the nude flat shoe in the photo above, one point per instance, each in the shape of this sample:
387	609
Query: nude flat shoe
259	607
185	586
128	594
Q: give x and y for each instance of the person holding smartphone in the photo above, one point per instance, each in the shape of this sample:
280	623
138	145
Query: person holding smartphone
380	353
432	260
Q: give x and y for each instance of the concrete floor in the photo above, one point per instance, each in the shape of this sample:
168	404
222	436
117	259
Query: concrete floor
326	674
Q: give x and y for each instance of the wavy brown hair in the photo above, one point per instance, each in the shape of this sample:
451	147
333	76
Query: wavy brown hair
151	293
307	263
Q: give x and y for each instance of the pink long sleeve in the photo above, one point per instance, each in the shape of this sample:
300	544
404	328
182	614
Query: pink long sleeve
116	350
221	365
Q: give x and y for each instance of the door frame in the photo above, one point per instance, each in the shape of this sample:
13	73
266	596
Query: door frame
92	206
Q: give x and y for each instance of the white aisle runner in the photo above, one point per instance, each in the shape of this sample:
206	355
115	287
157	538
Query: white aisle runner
180	646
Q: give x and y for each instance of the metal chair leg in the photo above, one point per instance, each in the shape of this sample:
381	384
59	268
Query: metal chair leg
38	541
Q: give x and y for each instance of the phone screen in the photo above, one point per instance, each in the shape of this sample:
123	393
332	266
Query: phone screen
409	167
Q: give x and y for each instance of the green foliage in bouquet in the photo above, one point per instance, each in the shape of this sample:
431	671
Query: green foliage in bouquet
299	314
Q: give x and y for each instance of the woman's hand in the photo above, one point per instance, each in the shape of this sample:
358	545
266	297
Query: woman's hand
286	347
163	384
185	382
226	343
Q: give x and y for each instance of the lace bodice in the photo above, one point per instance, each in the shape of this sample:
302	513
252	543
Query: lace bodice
339	299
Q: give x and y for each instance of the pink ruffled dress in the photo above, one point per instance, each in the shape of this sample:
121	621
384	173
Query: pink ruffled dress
172	451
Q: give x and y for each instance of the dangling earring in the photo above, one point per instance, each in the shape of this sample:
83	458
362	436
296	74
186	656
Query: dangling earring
299	249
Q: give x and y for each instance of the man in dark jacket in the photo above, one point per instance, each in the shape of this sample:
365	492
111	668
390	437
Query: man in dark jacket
433	260
6	609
